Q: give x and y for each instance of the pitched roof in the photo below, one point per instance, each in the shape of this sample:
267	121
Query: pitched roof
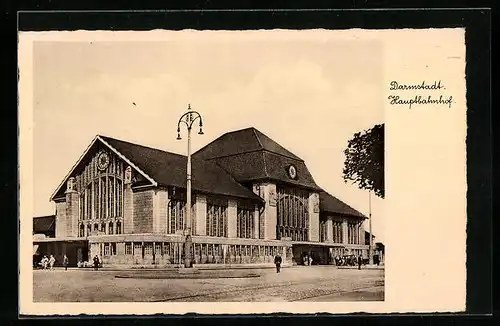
249	155
367	234
242	141
44	224
331	204
170	169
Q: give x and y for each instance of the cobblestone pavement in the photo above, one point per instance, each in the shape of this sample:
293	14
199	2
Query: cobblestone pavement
311	283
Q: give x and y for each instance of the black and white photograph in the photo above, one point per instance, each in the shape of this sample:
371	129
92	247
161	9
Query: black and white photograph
219	166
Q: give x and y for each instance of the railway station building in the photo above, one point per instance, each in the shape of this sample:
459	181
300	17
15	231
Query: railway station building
251	199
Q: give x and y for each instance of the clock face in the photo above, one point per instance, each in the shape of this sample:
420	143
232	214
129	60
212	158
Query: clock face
103	161
292	172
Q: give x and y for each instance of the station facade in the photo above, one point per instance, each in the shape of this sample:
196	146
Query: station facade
252	199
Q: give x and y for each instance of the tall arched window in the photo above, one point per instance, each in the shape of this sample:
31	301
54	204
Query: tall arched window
103	227
293	214
110	228
81	232
216	223
322	231
101	191
245	220
353	233
118	227
337	232
177	210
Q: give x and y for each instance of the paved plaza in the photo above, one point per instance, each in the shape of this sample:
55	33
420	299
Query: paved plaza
300	283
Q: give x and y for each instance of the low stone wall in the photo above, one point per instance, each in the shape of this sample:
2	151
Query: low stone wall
172	253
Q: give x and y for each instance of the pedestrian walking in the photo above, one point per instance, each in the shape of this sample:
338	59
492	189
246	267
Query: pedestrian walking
96	263
277	261
310	260
360	260
52	260
65	262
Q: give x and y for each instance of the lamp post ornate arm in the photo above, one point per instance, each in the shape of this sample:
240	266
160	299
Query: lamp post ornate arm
188	119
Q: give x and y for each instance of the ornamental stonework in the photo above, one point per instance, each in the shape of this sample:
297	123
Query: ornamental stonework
315	199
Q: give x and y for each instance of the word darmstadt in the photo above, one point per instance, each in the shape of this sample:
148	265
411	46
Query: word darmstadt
395	86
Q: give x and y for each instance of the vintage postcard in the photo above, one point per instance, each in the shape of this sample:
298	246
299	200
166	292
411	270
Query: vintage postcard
300	171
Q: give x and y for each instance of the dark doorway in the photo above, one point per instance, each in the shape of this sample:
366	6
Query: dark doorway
302	253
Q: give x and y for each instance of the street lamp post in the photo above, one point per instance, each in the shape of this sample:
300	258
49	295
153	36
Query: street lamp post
188	119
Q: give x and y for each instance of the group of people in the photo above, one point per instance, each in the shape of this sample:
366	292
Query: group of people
346	260
351	260
48	262
96	263
307	260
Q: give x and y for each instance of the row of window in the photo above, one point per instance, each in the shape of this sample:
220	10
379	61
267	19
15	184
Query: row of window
110	249
353	233
216	218
96	228
337	231
200	249
173	253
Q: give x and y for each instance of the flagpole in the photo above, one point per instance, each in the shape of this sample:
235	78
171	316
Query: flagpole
370	248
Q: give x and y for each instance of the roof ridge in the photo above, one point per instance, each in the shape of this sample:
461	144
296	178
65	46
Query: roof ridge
265	164
234	154
238	130
225	134
257	136
289	153
279	154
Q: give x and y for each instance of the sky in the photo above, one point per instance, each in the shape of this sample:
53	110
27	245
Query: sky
309	94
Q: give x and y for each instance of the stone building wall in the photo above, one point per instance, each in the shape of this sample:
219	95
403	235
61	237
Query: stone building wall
143	211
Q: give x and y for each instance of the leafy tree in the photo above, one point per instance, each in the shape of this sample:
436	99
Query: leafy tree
364	160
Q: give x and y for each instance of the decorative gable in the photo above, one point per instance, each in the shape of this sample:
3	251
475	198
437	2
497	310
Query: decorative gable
100	161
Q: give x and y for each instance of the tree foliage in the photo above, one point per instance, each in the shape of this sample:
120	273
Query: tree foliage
364	160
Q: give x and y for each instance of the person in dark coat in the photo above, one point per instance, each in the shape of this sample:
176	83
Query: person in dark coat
277	261
360	260
96	263
65	262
